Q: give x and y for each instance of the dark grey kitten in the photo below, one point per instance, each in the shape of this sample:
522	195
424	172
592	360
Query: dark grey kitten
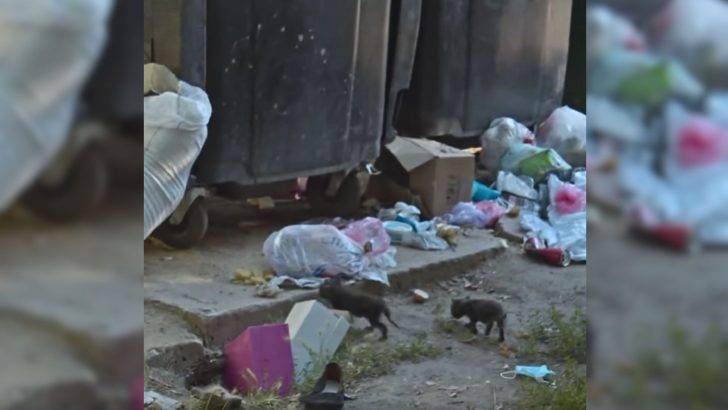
480	310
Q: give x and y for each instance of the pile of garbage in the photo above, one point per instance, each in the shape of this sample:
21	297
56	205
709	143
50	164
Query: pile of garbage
655	110
541	177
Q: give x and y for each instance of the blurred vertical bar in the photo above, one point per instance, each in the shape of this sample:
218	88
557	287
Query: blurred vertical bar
658	189
71	195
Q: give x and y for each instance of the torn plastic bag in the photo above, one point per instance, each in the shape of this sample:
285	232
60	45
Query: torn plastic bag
565	131
175	129
481	215
512	157
369	231
614	120
301	251
571	227
502	133
519	186
47	52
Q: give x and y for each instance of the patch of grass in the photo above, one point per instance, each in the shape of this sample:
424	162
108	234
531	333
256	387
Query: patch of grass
449	326
569	393
365	360
689	373
562	338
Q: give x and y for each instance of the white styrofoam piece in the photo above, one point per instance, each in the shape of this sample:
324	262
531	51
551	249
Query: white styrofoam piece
316	333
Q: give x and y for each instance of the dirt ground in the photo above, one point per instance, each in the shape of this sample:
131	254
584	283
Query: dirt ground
458	379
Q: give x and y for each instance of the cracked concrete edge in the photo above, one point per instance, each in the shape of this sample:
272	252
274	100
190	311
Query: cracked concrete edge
114	360
216	330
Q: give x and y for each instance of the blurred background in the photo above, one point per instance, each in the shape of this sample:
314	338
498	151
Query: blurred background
658	159
71	197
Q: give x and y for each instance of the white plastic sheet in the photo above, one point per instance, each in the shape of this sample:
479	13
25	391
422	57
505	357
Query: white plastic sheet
47	51
175	129
300	251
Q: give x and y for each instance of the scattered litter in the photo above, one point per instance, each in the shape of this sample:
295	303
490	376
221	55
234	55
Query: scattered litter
252	276
481	215
420	296
267	291
369	233
262	203
482	192
217	398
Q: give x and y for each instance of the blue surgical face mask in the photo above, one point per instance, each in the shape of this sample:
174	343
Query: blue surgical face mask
538	373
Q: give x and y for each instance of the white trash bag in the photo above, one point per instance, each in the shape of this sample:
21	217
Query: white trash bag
300	251
175	129
47	52
502	134
565	132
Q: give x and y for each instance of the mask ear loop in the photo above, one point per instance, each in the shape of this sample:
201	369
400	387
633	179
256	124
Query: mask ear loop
509	375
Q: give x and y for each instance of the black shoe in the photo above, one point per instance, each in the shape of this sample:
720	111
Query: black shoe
328	393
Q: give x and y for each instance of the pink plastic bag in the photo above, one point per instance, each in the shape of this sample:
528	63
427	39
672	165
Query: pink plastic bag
569	199
701	142
493	212
369	230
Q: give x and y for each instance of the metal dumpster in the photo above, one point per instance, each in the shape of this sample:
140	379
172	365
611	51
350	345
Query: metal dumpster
482	59
298	88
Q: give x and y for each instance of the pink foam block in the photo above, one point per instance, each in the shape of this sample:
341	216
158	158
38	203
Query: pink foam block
258	359
138	394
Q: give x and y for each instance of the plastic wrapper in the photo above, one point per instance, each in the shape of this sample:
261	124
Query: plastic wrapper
641	78
512	157
565	131
539	165
615	121
520	186
481	215
175	129
300	251
369	230
47	52
502	133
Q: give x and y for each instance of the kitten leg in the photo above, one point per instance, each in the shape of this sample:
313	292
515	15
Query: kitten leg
488	328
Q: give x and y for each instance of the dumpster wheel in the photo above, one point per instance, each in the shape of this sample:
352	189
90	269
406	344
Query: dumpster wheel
345	203
189	232
80	192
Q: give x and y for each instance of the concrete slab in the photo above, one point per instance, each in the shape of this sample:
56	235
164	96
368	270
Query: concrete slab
39	370
168	342
101	319
510	228
196	284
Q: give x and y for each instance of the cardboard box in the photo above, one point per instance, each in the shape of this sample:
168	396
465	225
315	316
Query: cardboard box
316	332
441	175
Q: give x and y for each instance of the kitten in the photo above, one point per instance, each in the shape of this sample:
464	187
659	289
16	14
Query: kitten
358	303
480	310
